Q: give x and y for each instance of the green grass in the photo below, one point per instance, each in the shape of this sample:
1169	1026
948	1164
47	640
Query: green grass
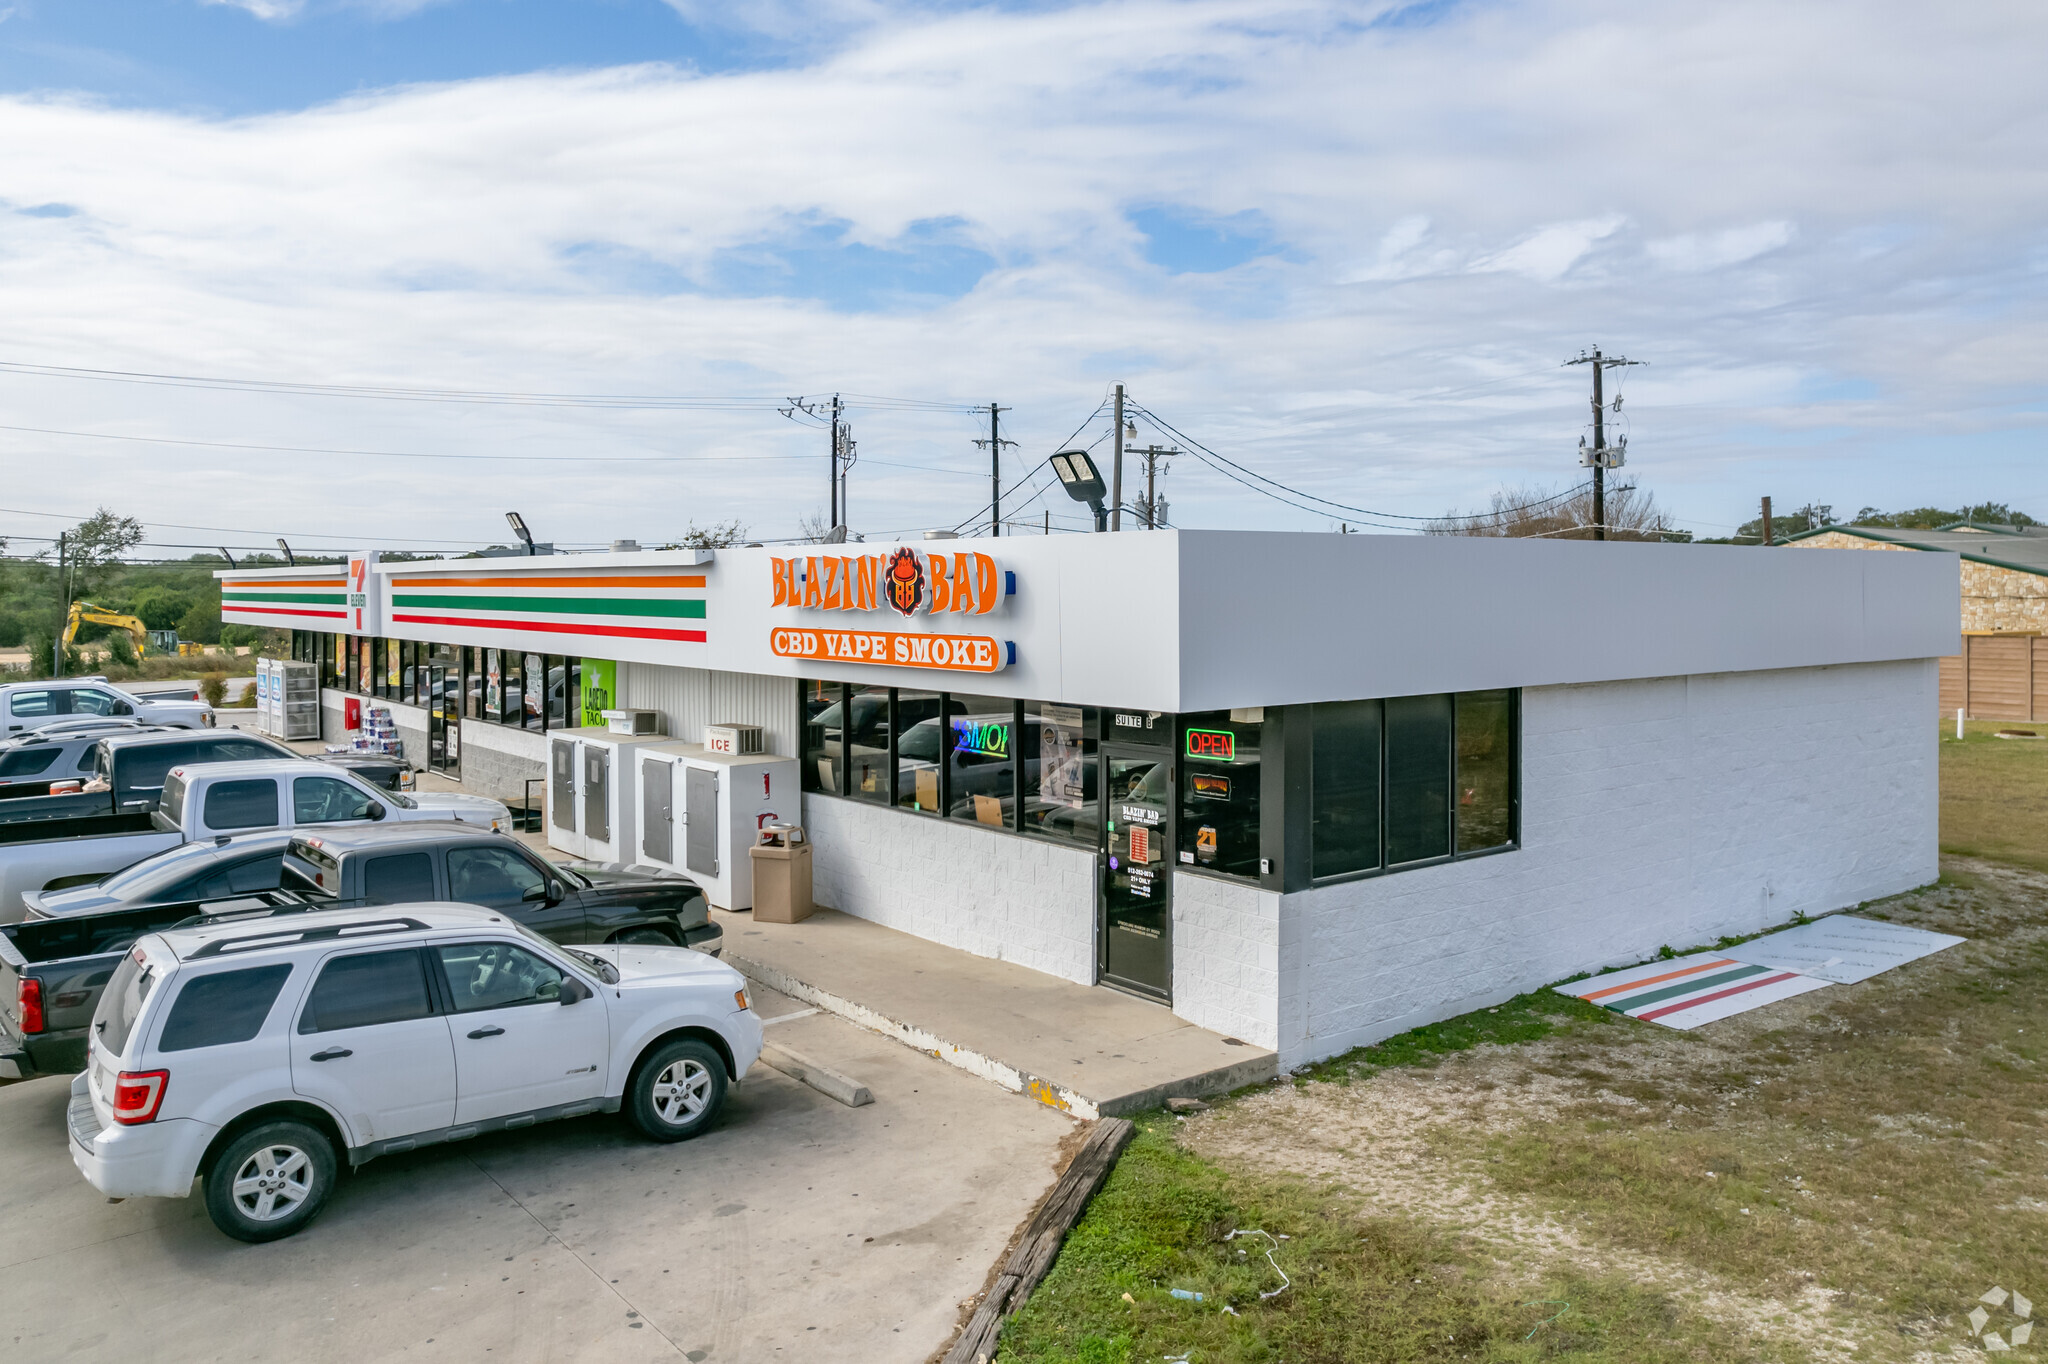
1525	1018
1363	1288
1994	793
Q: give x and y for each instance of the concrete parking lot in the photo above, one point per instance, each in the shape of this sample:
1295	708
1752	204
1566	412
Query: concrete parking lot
798	1229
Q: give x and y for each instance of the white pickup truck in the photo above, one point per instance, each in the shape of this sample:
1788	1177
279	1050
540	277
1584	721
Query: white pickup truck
215	800
32	705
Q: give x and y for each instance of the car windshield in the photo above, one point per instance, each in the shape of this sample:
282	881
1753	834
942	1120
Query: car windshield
920	741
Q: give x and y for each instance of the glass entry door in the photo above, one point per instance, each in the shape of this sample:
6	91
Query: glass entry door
444	722
1135	941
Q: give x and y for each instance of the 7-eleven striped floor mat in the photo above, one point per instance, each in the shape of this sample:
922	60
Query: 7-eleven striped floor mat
1688	991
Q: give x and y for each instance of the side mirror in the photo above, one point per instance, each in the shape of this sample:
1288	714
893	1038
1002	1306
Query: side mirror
374	811
574	991
123	708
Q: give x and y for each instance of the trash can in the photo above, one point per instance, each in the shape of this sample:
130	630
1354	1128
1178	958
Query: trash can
782	875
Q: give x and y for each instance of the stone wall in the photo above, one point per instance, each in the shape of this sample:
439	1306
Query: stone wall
1995	600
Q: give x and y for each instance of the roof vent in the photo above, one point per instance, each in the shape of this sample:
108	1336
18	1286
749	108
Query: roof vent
625	546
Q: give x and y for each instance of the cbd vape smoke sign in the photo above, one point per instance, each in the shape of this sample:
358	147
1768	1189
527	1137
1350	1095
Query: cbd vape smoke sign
911	584
365	616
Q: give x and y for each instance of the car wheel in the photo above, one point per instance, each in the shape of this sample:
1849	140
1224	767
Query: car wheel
677	1091
270	1181
652	937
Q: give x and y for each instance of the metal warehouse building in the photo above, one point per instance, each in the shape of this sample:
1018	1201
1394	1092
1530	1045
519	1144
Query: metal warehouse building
1306	790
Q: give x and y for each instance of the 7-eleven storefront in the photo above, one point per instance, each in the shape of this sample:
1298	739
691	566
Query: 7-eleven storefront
1307	790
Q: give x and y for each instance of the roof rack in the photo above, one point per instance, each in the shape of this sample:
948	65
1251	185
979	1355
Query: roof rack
289	937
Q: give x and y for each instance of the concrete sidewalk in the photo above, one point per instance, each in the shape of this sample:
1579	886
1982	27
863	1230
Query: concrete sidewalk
1085	1050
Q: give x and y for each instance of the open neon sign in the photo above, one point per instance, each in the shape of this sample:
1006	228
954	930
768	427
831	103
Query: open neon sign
988	740
1219	744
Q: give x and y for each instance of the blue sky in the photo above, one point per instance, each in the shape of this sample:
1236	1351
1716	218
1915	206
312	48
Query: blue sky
1346	244
223	58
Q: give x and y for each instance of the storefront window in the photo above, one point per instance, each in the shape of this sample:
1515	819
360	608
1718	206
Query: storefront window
1219	785
867	747
920	751
494	684
573	692
1059	772
1486	777
393	668
365	665
1418	778
982	773
1344	780
558	691
535	676
823	748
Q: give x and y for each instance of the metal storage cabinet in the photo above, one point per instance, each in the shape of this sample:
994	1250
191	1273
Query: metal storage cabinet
593	793
295	699
700	813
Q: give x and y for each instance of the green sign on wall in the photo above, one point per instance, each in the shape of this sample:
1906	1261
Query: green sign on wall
600	690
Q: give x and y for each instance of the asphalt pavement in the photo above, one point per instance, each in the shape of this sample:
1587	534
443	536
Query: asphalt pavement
798	1229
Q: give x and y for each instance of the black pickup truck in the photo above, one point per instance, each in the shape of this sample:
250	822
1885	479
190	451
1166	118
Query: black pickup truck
52	970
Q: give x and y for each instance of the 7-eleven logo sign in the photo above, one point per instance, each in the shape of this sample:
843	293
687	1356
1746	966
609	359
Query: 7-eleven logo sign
362	583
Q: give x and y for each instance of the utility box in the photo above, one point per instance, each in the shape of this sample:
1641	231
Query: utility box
593	793
700	811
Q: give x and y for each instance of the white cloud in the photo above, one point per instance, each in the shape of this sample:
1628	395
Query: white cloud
263	9
1548	252
427	236
1696	251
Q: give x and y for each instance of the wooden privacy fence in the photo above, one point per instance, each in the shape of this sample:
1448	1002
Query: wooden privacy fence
1997	677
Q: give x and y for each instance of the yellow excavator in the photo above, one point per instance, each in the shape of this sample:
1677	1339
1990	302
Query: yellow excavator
83	611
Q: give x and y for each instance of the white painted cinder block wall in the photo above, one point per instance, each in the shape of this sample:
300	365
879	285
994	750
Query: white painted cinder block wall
1665	811
994	894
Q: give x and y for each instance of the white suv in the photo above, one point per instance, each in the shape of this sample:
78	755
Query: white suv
258	1053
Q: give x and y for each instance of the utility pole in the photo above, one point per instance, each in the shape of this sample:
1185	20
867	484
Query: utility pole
1767	523
63	607
995	444
835	461
1599	454
1153	454
1116	487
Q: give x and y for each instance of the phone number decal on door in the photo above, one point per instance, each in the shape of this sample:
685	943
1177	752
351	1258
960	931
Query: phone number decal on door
948	653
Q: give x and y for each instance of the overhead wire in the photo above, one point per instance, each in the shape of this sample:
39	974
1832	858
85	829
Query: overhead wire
432	454
397	393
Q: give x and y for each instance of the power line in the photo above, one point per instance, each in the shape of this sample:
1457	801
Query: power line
1202	450
431	454
394	393
241	530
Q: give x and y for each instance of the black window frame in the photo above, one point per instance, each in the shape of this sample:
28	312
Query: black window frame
1387	867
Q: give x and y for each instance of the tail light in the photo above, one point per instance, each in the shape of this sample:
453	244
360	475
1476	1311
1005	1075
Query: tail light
31	1000
138	1094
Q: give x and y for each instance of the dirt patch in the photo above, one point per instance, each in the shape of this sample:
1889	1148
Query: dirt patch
1846	1170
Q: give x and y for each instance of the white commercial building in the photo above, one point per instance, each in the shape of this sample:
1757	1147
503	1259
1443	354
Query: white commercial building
1306	790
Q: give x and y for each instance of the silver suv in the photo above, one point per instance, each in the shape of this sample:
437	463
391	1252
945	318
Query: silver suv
260	1053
